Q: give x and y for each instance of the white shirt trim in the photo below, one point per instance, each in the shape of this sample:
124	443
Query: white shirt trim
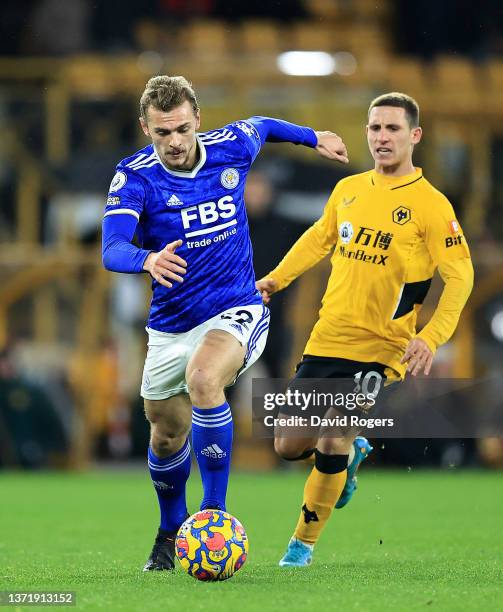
122	211
195	169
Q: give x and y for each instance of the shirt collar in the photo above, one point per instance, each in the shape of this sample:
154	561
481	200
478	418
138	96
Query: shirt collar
394	182
184	173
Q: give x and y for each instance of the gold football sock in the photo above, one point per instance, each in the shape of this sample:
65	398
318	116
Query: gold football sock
321	493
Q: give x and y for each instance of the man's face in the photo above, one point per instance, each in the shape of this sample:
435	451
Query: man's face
390	137
173	134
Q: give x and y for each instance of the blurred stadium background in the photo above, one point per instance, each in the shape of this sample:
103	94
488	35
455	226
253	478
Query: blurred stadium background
72	337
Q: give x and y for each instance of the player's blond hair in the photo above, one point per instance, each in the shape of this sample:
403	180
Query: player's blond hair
167	92
399	100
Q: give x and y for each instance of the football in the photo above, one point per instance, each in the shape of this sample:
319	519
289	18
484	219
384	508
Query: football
211	545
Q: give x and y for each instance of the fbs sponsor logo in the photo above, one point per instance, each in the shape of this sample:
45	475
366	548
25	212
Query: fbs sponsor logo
174	201
113	200
207	214
213	452
359	255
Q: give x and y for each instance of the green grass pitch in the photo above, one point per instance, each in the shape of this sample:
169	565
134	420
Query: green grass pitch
407	541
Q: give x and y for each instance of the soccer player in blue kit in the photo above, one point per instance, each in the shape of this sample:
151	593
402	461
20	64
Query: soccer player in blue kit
182	195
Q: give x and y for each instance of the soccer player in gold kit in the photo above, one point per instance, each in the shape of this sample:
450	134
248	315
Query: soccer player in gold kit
389	229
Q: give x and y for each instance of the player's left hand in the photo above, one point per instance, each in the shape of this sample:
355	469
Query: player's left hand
331	146
266	286
418	357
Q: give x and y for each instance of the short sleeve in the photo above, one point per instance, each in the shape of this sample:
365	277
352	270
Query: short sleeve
126	194
444	236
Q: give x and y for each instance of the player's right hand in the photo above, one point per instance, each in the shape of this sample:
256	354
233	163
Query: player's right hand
266	286
166	264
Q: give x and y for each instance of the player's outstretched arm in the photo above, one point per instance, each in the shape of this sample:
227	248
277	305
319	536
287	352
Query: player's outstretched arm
327	144
166	264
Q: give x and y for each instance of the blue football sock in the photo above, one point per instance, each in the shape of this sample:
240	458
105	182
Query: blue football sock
170	476
212	440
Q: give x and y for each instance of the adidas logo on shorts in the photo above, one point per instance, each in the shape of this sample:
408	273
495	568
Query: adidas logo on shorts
213	452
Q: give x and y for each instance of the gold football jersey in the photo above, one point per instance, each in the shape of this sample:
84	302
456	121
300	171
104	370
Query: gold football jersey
389	235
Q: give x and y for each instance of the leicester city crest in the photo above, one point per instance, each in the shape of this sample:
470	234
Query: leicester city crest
118	181
229	178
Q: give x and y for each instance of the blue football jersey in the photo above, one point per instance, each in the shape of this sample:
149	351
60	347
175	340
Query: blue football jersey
205	208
